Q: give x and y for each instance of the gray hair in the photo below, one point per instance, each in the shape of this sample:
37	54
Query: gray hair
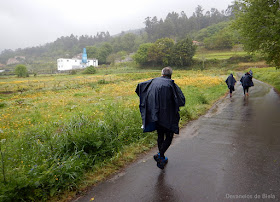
166	71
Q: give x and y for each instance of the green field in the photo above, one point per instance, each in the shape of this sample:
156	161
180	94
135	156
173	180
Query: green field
58	132
218	55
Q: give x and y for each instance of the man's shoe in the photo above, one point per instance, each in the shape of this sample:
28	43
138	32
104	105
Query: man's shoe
156	157
162	162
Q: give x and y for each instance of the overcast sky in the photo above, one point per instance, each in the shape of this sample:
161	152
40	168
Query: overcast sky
27	23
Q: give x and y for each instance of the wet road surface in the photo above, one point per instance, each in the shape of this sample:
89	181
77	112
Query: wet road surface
230	154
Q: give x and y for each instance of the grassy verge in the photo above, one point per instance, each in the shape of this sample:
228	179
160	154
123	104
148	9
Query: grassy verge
68	137
269	75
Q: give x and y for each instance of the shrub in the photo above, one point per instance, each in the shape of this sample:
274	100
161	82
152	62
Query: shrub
73	72
2	105
21	71
102	81
90	70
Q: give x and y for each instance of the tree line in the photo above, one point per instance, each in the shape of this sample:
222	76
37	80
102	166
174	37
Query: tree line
177	26
65	46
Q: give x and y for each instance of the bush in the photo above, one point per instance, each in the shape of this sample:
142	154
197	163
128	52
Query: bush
102	81
21	71
183	52
73	72
2	105
90	70
141	56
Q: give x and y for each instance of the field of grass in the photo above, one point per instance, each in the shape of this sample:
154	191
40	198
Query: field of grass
57	130
269	75
218	55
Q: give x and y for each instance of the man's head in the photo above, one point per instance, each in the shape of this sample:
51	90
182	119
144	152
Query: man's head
166	71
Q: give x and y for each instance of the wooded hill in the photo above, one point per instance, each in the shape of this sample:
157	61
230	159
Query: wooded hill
210	27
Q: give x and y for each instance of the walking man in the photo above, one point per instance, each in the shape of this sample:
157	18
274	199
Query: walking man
160	99
230	83
246	81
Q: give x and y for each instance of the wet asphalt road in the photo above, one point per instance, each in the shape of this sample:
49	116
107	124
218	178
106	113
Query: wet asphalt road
230	154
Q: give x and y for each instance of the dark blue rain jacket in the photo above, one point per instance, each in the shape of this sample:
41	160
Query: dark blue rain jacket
230	81
246	80
160	99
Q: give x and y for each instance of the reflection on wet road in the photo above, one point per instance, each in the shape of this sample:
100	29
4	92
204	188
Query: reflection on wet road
230	154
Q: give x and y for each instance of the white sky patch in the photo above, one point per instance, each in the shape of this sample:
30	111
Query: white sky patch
35	22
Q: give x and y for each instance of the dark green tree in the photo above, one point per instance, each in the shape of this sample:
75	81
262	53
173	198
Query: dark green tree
160	52
224	39
125	42
92	51
128	41
211	30
21	71
141	56
259	26
183	52
103	52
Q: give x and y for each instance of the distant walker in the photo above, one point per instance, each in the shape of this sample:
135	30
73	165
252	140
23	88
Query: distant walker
246	81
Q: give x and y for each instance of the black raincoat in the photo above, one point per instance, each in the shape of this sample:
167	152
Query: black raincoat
231	82
160	99
246	80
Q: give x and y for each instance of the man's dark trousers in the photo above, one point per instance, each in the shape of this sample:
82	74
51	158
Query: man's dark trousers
164	140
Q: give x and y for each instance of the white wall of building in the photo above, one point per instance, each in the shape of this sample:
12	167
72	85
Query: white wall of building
64	64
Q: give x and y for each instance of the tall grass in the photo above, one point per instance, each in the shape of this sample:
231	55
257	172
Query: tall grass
269	75
42	161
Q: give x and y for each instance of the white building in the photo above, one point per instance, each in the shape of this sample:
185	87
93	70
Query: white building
64	64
